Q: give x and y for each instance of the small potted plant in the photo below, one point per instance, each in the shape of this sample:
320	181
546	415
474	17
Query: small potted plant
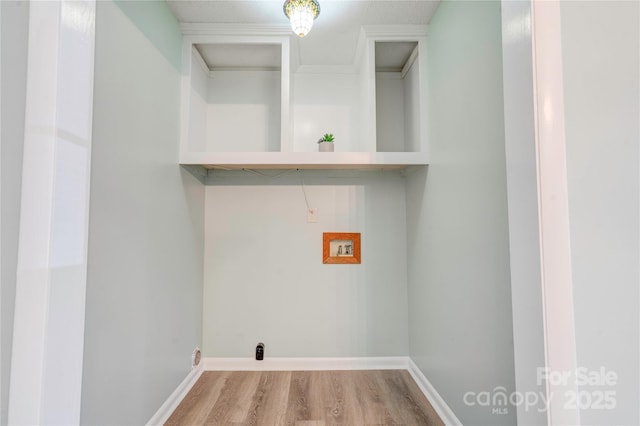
325	143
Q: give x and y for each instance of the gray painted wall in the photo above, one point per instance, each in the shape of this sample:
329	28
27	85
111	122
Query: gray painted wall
144	289
600	45
15	28
264	276
460	324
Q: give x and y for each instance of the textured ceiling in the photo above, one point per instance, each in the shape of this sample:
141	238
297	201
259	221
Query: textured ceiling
334	36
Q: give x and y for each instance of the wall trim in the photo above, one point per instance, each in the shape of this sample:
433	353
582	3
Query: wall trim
558	318
307	364
176	397
444	411
51	275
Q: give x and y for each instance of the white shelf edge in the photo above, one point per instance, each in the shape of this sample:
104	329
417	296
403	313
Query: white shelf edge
304	160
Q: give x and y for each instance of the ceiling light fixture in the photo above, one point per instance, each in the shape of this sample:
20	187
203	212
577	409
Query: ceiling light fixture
301	13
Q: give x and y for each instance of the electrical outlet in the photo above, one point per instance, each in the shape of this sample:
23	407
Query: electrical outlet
312	215
196	356
260	351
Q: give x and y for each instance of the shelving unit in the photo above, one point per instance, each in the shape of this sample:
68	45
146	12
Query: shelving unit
397	100
243	106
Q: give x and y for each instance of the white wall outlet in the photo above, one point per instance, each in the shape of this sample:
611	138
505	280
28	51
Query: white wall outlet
196	356
312	215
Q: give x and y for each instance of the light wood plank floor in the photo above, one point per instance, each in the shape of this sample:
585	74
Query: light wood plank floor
305	398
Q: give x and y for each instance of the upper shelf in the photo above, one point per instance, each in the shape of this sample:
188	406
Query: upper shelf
243	106
304	160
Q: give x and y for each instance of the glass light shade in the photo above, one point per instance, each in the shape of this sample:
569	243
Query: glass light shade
301	13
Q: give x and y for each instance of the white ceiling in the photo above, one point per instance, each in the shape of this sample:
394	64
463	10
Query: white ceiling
334	36
392	56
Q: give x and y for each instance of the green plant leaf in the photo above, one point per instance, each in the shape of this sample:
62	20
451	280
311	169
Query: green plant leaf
328	137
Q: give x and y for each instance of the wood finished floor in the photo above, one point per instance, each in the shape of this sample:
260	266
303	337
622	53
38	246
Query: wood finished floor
305	398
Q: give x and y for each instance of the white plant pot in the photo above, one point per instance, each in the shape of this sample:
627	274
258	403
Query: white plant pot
325	146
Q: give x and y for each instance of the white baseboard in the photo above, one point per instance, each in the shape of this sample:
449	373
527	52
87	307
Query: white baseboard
169	406
307	364
446	414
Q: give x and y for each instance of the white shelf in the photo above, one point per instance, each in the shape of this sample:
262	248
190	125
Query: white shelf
304	160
